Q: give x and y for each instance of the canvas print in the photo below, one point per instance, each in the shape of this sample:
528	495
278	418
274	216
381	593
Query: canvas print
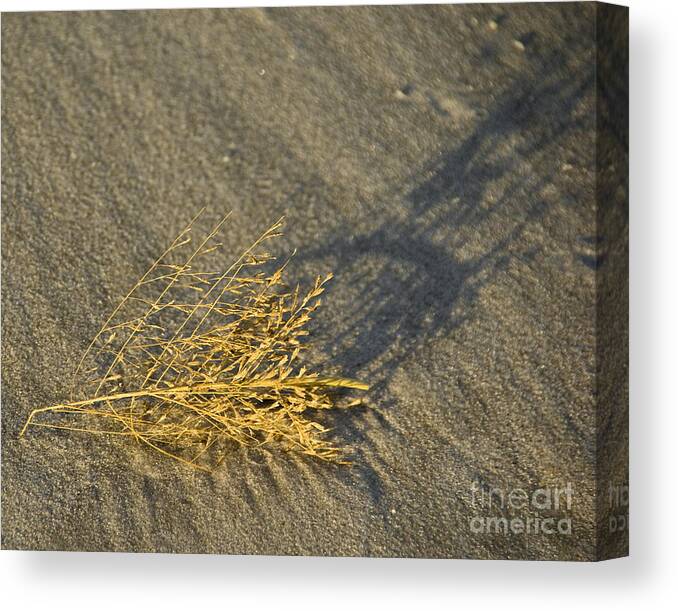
332	281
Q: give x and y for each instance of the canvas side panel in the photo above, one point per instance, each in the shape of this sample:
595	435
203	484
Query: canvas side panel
612	290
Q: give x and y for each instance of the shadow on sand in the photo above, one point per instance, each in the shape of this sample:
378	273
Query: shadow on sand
415	283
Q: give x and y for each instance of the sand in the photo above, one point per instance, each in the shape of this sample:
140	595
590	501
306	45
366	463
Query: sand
439	160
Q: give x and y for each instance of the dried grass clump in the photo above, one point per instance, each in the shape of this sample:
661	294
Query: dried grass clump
197	360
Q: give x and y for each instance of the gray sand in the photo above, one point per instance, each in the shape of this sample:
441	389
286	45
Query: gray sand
439	160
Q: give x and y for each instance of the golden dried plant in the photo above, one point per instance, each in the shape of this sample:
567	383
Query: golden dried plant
194	361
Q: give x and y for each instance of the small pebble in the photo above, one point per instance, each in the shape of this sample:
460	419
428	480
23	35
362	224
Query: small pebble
404	92
493	25
518	45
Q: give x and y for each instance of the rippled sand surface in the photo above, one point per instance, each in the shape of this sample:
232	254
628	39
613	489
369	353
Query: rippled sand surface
439	160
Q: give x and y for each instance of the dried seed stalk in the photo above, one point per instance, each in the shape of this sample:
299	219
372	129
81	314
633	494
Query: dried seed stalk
197	360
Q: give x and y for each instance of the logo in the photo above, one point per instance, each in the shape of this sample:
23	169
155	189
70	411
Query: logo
518	511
